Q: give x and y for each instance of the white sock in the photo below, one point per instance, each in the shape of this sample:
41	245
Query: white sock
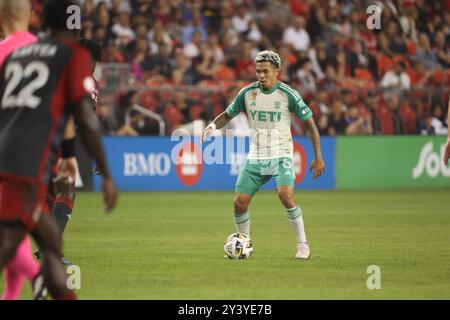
295	219
242	223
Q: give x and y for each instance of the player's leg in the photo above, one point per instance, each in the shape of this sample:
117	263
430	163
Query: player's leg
241	216
63	202
48	237
248	183
60	202
13	284
11	234
63	206
295	219
285	179
20	267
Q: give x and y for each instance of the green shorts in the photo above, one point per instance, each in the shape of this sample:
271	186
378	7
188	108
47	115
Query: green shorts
256	173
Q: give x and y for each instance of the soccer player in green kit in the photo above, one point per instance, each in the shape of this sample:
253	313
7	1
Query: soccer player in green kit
269	104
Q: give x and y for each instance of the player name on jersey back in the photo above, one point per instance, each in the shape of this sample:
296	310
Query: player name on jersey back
45	50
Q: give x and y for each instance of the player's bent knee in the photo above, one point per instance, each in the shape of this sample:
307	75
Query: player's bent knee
240	204
287	199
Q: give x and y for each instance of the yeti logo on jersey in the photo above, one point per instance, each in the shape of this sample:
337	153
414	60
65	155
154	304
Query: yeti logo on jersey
265	116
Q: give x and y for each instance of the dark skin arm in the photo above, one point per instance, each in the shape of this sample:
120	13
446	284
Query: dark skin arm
89	132
317	164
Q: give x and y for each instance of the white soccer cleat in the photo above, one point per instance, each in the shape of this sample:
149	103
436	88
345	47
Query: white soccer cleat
303	251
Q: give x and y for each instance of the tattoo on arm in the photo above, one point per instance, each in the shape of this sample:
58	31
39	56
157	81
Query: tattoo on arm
314	135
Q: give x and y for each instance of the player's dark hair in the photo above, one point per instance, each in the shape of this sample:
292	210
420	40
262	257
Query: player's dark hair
94	48
54	14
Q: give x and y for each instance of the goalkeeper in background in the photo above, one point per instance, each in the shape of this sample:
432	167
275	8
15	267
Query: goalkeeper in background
269	105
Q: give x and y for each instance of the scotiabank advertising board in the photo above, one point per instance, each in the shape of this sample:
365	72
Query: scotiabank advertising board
184	163
391	162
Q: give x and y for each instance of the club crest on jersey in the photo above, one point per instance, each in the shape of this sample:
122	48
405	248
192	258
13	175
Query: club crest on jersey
277	105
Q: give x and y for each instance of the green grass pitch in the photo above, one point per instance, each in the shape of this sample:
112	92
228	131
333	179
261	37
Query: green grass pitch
170	246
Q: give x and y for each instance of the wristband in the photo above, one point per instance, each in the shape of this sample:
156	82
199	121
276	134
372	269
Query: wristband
212	125
68	148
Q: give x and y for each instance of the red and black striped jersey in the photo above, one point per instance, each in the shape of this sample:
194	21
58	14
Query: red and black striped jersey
39	86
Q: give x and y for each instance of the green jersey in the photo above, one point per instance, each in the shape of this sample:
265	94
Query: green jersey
270	116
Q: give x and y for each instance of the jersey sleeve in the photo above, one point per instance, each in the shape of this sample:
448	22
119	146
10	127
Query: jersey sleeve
237	105
80	81
298	106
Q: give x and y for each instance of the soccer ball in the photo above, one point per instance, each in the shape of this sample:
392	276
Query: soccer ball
238	246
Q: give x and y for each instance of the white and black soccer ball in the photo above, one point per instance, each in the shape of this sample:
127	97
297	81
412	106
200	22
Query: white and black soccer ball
238	246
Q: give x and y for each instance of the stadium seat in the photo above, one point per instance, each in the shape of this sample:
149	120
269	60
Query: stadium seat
384	63
195	112
173	117
411	47
409	117
386	119
148	100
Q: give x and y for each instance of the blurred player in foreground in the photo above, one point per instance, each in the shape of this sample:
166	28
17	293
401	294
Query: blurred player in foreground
41	86
62	193
269	104
14	18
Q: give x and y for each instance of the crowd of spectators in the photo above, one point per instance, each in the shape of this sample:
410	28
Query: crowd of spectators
188	58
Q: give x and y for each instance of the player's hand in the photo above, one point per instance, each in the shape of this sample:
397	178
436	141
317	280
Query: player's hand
319	167
447	152
67	167
109	194
208	131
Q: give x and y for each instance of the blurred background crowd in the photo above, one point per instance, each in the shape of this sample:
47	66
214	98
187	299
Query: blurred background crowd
169	63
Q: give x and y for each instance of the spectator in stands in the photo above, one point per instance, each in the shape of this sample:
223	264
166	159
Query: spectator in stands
106	119
358	123
192	27
372	106
296	35
122	30
441	49
348	58
398	122
426	126
396	79
420	76
163	13
182	72
158	35
305	76
126	102
132	122
245	64
337	123
192	49
140	36
392	41
241	19
438	120
159	66
425	54
214	44
204	64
